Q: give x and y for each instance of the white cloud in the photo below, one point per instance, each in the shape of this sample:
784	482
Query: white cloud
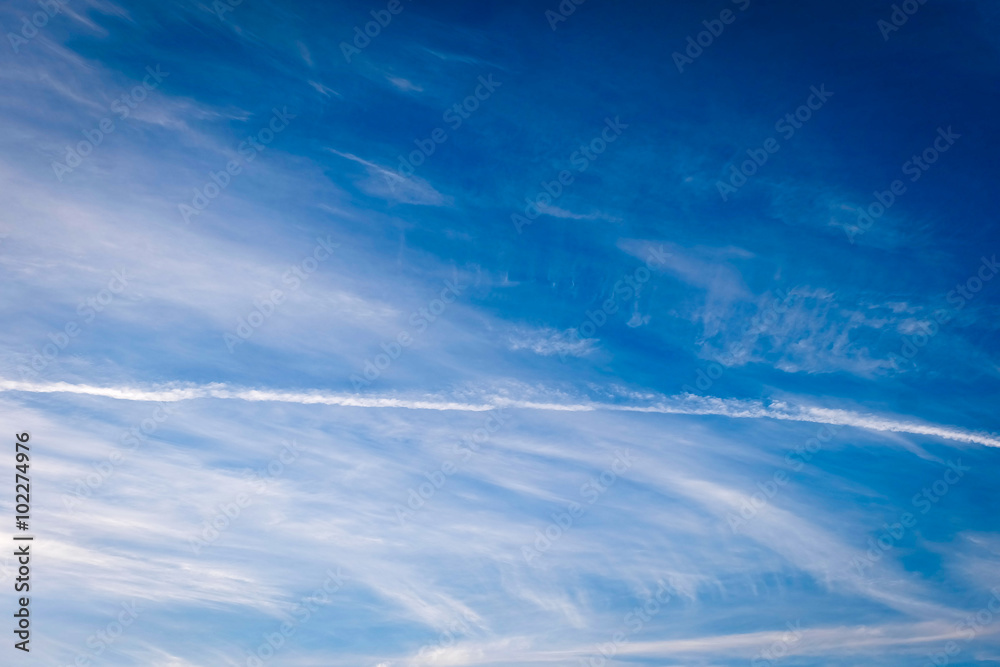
549	342
686	404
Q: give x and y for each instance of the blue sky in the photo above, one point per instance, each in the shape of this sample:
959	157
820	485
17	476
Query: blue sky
527	330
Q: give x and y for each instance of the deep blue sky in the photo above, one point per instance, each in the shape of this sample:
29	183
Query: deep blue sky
769	305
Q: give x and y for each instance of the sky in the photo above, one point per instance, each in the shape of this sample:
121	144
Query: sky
424	333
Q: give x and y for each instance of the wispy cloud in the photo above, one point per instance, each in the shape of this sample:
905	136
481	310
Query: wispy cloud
685	404
550	342
388	184
557	212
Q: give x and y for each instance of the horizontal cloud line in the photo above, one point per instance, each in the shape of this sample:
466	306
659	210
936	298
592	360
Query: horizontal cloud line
686	404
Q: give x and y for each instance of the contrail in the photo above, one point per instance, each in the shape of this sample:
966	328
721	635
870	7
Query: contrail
686	404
